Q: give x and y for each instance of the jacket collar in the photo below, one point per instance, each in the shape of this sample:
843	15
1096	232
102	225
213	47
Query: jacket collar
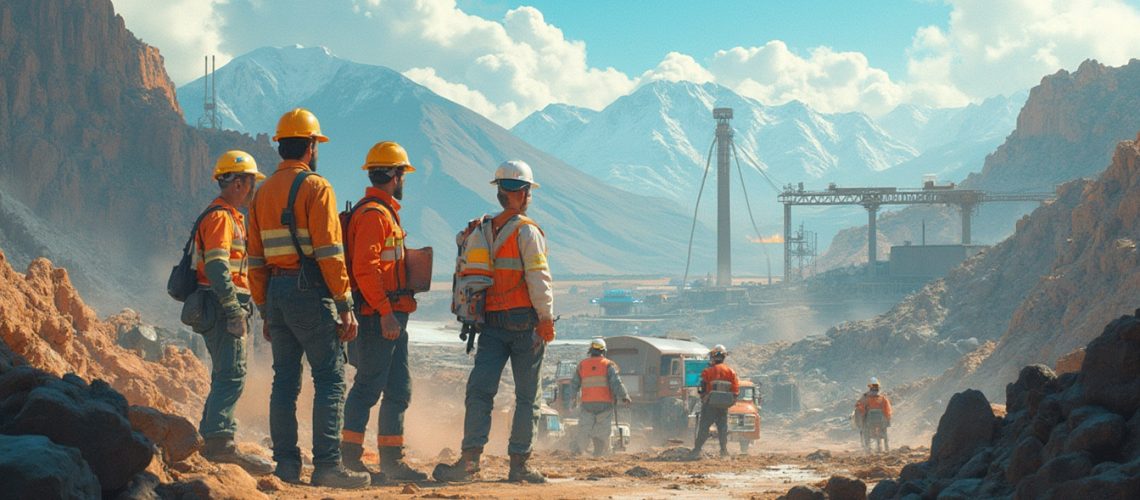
288	164
375	192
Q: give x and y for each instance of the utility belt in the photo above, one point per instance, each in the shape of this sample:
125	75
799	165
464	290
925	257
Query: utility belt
519	319
308	275
394	295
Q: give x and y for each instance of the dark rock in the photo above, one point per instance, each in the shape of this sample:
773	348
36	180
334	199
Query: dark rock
967	425
804	493
819	455
914	472
91	418
909	488
1025	460
1055	445
639	471
34	467
1065	468
1101	435
176	436
141	487
1131	447
962	489
1048	416
1032	379
1117	481
886	489
977	466
845	488
1111	371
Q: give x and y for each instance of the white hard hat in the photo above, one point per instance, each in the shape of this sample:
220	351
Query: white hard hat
874	381
718	350
517	173
598	343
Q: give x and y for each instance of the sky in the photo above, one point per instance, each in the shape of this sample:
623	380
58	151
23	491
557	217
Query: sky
507	59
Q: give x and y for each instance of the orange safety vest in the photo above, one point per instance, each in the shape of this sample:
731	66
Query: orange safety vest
222	238
376	246
509	290
873	402
719	371
594	373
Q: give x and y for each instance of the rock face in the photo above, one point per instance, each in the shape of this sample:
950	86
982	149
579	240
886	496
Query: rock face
176	436
34	467
94	142
44	320
1074	436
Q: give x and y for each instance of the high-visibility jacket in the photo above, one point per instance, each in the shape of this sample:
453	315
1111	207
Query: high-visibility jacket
520	270
222	236
594	372
318	232
719	371
375	241
874	401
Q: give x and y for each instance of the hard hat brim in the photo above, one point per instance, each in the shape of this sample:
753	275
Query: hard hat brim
532	185
318	137
369	166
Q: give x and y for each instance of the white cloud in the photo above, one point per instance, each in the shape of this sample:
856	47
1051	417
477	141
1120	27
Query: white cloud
183	30
678	67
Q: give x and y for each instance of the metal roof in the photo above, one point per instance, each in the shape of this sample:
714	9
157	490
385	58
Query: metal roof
666	346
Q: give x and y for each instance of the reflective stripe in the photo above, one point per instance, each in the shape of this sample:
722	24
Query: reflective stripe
217	254
480	257
283	233
288	250
538	261
327	252
508	264
594	381
256	262
382	441
353	437
287	241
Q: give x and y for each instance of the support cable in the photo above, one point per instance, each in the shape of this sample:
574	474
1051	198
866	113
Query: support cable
693	229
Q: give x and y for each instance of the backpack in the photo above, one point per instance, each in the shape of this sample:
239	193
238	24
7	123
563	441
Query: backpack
472	277
183	278
310	269
721	396
417	261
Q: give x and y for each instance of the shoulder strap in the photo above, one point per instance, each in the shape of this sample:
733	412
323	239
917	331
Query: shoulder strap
198	222
382	203
508	229
288	217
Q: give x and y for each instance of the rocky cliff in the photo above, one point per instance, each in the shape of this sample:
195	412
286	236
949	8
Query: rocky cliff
1066	130
93	137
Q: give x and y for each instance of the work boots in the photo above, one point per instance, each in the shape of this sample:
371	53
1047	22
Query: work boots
336	476
350	456
222	449
521	472
464	470
394	468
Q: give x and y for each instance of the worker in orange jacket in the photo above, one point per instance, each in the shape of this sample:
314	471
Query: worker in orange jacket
520	323
597	377
717	377
379	278
873	416
222	267
300	285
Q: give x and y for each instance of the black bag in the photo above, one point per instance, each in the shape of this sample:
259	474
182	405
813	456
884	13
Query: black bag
183	278
200	311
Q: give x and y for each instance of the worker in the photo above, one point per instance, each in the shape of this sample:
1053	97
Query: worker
597	378
375	240
718	390
300	286
220	255
873	417
519	324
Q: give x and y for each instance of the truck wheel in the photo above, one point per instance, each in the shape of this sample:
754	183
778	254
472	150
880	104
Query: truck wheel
744	447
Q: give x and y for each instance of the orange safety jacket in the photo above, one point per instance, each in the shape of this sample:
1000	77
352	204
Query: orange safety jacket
222	237
719	371
594	372
873	402
375	241
318	232
509	289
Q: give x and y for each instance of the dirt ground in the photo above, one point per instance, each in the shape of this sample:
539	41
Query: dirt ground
659	473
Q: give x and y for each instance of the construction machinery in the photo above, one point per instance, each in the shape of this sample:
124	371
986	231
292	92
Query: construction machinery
744	416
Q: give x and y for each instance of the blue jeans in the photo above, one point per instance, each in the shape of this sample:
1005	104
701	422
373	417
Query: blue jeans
496	347
381	368
227	379
303	322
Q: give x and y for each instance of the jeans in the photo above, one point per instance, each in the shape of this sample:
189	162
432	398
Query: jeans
227	379
709	416
382	368
496	347
303	322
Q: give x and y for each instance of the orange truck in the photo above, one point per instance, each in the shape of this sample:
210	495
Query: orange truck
744	416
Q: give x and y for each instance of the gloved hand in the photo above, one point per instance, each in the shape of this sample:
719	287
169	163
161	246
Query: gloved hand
390	326
236	325
626	401
545	330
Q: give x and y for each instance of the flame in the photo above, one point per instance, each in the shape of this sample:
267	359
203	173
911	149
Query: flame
775	238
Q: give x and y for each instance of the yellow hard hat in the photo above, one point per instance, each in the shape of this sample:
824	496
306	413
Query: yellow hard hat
236	162
387	154
299	123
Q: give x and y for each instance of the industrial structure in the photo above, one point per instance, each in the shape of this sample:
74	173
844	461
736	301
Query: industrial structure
210	117
723	215
871	198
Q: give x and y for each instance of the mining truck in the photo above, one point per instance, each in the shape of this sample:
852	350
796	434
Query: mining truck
743	418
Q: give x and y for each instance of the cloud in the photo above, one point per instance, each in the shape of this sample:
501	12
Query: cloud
997	47
183	30
678	67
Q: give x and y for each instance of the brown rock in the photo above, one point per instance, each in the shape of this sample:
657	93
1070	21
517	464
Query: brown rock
1071	362
845	488
176	436
224	481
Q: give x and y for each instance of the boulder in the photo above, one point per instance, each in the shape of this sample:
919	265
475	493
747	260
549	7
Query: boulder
977	466
962	489
225	481
1033	379
967	425
884	490
34	467
91	418
1101	435
1111	370
845	488
804	493
1025	460
174	435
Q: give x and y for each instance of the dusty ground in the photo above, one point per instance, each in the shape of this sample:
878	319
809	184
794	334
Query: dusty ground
652	474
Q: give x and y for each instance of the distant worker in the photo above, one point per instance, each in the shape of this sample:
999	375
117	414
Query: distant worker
375	240
719	388
519	324
873	417
220	255
597	378
300	286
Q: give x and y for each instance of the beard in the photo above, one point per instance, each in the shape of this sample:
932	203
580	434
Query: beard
398	193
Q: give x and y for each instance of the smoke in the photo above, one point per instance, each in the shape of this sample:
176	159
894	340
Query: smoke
774	238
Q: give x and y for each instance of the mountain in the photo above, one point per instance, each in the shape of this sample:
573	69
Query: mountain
592	228
96	149
1067	130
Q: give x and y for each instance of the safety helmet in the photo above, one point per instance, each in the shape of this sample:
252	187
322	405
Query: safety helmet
874	382
299	122
718	351
598	344
514	175
387	154
236	162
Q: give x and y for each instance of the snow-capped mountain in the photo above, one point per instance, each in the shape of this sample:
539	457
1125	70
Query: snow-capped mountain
592	228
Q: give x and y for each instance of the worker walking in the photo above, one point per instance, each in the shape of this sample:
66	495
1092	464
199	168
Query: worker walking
873	417
300	286
718	390
222	266
519	324
597	378
375	242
